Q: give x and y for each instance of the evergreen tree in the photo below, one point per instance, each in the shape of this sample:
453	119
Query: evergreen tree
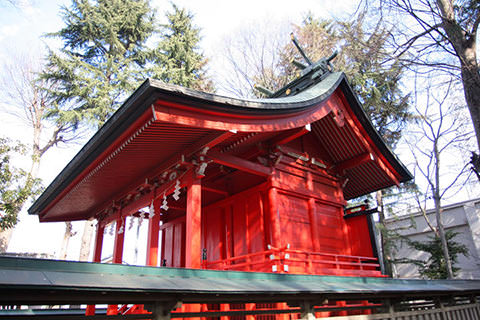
101	61
177	58
435	267
104	58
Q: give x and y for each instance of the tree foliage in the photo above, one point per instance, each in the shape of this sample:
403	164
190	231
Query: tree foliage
177	56
435	267
101	59
105	56
16	185
362	56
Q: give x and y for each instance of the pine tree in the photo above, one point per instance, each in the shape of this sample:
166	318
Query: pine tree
435	267
178	59
102	60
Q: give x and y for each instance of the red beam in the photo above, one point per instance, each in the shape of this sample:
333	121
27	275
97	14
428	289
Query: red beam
354	162
290	135
223	193
193	225
239	163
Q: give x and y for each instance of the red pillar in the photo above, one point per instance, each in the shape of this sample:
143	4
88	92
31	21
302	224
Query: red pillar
112	309
97	257
274	219
313	224
193	256
153	234
119	238
97	253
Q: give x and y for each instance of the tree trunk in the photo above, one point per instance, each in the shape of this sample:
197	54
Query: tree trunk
5	236
66	239
86	240
471	88
465	48
438	212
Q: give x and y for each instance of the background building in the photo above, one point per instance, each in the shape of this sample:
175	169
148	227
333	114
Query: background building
463	218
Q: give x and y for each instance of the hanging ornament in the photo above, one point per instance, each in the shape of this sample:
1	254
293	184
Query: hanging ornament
176	192
151	210
112	228
164	203
130	225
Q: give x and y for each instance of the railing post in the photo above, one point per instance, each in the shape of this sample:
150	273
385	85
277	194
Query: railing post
249	307
224	307
307	311
163	311
445	314
97	257
309	264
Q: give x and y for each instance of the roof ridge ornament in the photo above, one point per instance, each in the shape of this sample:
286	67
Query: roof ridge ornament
311	73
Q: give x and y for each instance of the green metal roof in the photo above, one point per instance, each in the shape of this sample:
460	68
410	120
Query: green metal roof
42	281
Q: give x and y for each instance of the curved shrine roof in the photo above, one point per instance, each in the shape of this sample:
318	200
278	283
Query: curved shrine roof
160	122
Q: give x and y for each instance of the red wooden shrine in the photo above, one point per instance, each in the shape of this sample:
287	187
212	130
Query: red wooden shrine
251	185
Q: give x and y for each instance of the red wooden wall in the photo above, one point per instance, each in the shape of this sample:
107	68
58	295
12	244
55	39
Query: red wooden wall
304	215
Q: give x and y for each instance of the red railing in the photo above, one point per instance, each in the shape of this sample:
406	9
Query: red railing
285	260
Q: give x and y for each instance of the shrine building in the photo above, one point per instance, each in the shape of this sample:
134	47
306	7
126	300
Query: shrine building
234	184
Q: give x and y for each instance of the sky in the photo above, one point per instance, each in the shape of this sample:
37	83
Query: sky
22	30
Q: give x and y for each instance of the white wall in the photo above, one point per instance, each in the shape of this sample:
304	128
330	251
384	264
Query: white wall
463	218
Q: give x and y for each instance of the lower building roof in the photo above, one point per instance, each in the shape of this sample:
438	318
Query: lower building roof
36	281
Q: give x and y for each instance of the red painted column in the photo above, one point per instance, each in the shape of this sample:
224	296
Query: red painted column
313	224
97	257
193	256
274	219
119	239
112	309
97	253
224	307
153	236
